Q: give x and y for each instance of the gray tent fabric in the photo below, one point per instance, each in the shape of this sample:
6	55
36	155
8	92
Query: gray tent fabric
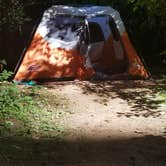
85	11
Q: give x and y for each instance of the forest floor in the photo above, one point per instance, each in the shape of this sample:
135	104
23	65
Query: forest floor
109	123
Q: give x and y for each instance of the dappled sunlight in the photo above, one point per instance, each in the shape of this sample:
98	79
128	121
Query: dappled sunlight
139	95
63	48
42	62
94	139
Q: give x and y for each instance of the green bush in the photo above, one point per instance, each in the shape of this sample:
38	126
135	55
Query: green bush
29	111
15	105
26	110
2	64
13	102
5	75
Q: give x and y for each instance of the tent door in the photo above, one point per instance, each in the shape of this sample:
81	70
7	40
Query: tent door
96	41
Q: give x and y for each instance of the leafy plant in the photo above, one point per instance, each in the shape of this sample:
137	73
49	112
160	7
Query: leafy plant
29	111
26	106
3	62
13	102
5	75
13	14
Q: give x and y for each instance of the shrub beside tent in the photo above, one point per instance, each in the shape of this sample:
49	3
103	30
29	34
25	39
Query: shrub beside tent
79	42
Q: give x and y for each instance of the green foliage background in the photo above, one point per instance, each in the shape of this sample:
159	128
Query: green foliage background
145	21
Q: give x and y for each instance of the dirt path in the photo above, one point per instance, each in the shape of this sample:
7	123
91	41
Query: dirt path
118	123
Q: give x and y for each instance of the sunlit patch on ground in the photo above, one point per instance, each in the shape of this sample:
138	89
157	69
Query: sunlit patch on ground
81	123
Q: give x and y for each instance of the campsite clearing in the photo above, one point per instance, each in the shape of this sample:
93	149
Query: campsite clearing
113	123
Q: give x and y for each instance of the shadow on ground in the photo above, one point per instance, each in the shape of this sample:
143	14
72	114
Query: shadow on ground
146	151
140	95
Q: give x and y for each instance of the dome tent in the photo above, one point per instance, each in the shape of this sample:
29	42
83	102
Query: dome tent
78	42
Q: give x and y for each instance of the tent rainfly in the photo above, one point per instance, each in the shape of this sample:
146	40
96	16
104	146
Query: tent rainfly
79	42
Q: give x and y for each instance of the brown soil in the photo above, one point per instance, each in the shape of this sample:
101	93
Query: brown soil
113	123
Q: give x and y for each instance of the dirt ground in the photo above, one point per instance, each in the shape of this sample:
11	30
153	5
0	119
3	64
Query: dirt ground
117	109
111	123
117	123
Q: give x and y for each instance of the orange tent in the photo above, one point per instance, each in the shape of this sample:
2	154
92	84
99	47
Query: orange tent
79	42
